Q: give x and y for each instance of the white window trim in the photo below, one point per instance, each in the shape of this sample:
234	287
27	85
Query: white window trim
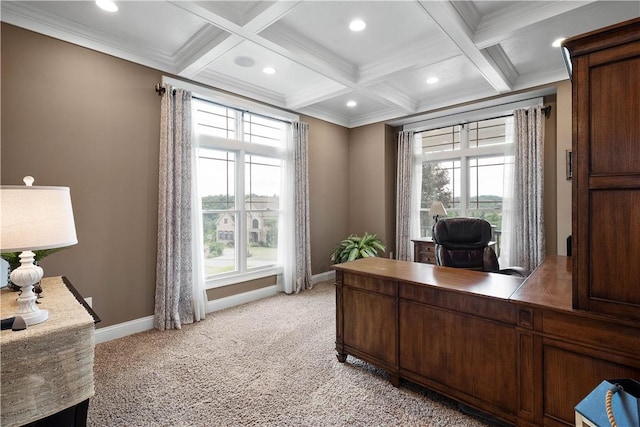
242	277
239	147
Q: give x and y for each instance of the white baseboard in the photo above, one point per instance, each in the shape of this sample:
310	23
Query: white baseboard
243	298
327	275
123	329
120	330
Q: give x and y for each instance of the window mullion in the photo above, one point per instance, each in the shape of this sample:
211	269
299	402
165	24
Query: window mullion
241	251
464	171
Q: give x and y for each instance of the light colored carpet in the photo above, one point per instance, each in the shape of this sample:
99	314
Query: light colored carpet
267	363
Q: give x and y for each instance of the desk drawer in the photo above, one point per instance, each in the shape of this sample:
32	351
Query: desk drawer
424	252
371	284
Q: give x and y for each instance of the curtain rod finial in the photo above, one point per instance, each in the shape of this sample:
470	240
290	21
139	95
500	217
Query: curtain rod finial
160	89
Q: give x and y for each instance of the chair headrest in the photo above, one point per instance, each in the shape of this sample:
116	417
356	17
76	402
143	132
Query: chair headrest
462	233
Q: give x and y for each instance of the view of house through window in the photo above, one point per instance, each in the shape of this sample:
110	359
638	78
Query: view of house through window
240	161
463	167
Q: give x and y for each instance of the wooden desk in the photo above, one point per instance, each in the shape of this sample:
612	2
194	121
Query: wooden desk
451	330
510	347
48	367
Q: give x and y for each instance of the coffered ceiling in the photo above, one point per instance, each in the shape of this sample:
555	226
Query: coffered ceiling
476	49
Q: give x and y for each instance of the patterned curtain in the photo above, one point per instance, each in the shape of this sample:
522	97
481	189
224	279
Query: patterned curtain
524	241
294	242
404	195
302	235
174	298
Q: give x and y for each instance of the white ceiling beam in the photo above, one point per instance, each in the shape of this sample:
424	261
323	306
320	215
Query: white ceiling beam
396	97
318	93
205	47
451	23
504	23
241	87
214	41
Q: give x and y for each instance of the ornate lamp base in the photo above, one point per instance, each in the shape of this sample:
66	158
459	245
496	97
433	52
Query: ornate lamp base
26	276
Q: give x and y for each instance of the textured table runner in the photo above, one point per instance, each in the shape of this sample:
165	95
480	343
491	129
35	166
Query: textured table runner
49	366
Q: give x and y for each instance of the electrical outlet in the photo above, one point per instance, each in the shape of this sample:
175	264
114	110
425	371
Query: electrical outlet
89	301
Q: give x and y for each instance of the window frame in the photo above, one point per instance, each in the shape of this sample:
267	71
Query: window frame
455	116
239	147
463	155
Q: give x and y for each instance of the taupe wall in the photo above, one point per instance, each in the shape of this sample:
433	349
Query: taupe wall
328	188
77	118
371	167
74	117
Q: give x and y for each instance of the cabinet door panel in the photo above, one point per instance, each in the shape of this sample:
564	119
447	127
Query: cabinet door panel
370	323
466	353
615	245
615	127
569	376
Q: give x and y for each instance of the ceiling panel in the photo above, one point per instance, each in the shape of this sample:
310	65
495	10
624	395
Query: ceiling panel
390	26
457	77
288	79
478	49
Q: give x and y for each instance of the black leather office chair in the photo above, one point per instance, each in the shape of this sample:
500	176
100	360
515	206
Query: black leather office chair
464	243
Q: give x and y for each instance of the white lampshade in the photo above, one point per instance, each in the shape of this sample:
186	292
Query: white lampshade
437	209
36	218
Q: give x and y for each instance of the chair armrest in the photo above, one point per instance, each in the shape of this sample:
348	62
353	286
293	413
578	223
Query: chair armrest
514	271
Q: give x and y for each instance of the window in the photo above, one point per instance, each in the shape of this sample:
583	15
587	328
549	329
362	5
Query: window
240	158
463	167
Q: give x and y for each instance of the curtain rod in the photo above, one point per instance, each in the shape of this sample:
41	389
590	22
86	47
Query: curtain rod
546	110
161	90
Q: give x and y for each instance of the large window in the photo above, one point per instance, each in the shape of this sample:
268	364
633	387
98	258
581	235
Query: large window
240	159
463	167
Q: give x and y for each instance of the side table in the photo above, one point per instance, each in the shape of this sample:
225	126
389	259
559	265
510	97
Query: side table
47	369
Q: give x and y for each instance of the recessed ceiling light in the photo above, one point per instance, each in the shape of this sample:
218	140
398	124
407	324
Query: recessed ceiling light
107	5
557	42
244	61
269	70
433	80
357	25
351	103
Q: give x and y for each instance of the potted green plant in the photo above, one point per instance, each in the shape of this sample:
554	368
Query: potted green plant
354	247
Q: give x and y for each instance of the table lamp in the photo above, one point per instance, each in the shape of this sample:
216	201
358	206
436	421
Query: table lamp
32	218
436	210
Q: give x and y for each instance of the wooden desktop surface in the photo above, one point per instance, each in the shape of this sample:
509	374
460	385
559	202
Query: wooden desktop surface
548	286
491	285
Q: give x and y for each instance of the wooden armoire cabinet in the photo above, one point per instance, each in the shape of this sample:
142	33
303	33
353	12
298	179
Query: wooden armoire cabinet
605	69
